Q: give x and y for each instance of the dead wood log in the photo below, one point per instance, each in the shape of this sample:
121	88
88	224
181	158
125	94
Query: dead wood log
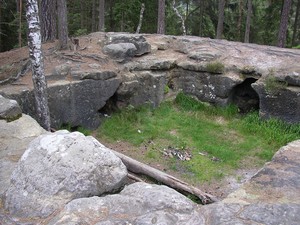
137	167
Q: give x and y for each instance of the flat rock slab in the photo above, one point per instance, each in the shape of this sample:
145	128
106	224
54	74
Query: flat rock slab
272	196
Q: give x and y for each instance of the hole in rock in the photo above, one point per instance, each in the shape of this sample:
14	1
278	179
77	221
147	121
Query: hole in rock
244	96
109	107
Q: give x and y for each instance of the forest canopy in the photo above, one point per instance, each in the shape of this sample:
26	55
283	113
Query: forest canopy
199	16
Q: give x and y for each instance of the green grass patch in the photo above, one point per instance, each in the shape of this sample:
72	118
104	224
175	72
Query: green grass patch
219	139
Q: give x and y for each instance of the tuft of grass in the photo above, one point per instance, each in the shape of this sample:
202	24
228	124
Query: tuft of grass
215	67
219	139
80	129
272	85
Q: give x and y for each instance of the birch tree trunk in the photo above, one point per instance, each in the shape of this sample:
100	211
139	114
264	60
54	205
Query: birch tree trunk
221	8
248	21
284	23
62	24
36	57
180	17
161	17
101	15
141	19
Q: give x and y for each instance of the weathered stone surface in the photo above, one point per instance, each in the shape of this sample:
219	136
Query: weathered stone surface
151	64
146	88
76	103
120	51
139	41
58	167
282	102
9	109
271	197
101	75
14	139
138	203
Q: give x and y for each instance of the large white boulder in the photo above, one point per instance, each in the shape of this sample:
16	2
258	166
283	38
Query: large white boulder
59	167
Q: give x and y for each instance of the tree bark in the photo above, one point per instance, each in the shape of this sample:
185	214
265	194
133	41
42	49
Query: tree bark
36	57
101	15
48	20
221	8
248	22
93	15
62	24
0	29
239	26
140	168
161	17
20	23
284	23
180	17
296	24
141	19
201	12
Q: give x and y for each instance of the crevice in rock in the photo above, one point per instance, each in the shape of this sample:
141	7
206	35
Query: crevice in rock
244	96
109	107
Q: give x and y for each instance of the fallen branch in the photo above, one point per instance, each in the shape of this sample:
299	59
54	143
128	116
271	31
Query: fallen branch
137	167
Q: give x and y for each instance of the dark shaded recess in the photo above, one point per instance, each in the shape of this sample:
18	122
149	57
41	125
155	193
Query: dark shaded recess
109	107
244	96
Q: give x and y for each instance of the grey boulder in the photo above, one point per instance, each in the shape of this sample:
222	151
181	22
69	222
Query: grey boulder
9	109
138	203
58	167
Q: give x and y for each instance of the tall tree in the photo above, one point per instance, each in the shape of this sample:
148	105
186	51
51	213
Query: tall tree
48	20
248	21
0	28
20	23
101	15
239	26
221	8
284	23
141	18
161	17
296	24
62	24
179	16
36	57
93	15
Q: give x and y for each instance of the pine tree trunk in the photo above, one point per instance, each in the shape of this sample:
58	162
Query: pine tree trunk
62	24
221	8
141	19
161	17
93	15
296	24
284	23
201	12
101	15
0	29
36	57
20	24
248	22
48	20
241	3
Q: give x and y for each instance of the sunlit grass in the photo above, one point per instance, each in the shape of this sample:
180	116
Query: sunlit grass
219	139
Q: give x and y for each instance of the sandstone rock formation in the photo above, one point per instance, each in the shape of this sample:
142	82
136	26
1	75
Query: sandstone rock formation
9	109
61	175
58	167
113	70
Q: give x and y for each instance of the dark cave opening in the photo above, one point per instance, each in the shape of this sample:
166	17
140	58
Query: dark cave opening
244	96
109	107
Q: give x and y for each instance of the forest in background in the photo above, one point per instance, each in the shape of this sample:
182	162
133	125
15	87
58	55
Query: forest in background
200	18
